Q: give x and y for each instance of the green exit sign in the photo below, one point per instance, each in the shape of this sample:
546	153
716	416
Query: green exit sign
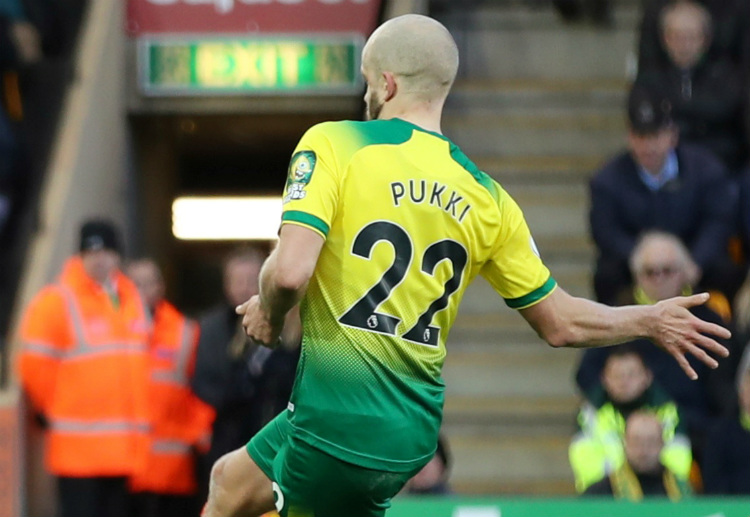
242	66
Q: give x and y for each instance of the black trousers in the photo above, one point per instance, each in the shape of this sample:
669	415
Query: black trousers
148	504
93	497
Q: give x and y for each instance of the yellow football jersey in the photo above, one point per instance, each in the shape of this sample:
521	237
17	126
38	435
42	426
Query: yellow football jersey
408	222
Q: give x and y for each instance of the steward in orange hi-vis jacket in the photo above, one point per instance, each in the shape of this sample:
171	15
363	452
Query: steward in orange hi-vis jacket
181	422
84	367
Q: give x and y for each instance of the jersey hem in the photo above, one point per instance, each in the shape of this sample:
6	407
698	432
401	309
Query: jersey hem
356	458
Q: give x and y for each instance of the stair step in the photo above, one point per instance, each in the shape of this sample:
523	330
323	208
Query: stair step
535	486
524	141
547	89
526	119
493	462
464	411
546	51
526	369
541	168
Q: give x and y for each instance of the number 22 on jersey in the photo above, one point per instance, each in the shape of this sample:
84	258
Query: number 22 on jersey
363	314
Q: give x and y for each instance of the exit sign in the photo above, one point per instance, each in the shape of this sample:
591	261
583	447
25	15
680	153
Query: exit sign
232	66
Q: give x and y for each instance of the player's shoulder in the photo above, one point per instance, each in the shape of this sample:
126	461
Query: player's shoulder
484	180
393	131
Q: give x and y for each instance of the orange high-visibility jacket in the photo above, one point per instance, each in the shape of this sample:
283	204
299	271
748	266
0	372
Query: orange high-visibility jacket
180	421
84	366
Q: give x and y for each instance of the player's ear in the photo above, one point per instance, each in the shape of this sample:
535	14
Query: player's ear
391	88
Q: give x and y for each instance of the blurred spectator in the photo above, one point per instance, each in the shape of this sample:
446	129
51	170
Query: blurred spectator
707	93
642	474
662	268
659	184
729	34
726	467
84	367
180	421
626	385
433	478
20	46
246	384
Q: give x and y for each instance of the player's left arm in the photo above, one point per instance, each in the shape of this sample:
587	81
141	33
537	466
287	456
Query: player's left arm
283	281
568	321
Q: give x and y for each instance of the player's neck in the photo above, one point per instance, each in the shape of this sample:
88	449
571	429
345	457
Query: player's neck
426	119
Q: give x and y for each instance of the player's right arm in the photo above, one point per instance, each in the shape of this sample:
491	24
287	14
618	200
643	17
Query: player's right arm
567	321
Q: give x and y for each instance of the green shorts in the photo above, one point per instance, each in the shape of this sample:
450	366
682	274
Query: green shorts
310	483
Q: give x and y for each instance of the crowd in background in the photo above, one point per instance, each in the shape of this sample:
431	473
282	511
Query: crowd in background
670	216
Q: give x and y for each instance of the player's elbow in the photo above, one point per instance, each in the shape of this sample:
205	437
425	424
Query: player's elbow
558	333
291	278
560	338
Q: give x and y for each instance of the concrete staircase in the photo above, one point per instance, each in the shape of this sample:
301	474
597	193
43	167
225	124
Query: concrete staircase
539	106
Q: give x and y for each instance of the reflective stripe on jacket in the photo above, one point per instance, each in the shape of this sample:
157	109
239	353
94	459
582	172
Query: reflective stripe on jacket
84	366
597	450
181	422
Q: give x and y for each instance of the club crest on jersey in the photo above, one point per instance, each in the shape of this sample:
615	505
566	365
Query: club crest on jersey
301	169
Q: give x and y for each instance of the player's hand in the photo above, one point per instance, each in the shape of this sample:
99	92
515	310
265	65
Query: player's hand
680	332
258	326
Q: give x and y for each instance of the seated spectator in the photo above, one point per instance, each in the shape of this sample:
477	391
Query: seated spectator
626	385
433	478
642	474
658	184
662	268
729	40
707	94
726	468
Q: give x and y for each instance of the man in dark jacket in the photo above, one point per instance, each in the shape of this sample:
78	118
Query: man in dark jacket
729	34
246	384
726	469
659	184
706	92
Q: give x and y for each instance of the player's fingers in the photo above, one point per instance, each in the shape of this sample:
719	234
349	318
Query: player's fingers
693	300
685	365
705	327
242	308
710	345
702	355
